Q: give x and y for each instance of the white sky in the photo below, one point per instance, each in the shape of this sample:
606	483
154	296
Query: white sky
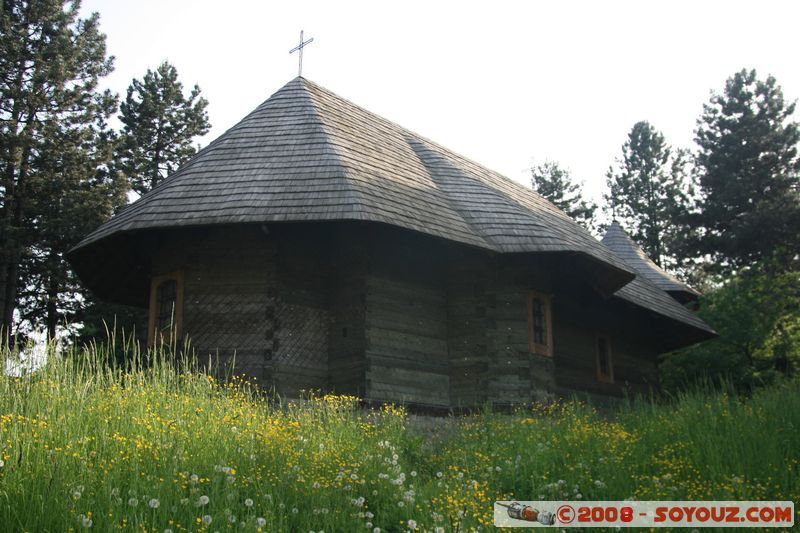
500	82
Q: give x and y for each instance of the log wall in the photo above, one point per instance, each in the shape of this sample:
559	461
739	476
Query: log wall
406	323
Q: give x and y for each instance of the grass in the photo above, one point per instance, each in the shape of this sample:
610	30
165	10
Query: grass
153	445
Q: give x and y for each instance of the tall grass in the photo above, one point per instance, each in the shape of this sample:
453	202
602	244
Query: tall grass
148	442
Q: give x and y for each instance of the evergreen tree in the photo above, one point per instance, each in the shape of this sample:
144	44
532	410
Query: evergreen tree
556	184
159	126
51	61
649	193
748	174
74	192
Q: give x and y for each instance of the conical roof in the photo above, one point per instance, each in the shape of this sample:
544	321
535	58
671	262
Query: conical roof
619	242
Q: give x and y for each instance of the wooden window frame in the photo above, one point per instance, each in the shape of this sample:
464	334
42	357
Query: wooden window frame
609	377
538	348
155	282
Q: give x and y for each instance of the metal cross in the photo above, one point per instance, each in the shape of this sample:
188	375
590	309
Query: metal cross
299	48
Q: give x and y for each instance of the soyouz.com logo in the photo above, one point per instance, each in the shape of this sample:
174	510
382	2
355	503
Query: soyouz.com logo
644	514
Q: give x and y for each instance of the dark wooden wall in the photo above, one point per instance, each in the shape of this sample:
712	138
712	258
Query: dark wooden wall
347	335
229	276
406	321
469	308
390	315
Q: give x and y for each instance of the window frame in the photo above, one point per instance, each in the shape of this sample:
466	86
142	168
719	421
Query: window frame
604	377
546	349
177	323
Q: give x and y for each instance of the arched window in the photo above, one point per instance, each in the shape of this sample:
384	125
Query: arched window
540	324
166	308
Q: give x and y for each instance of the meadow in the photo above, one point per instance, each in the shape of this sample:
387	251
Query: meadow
157	446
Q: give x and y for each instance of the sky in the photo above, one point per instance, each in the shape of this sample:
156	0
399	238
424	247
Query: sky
506	84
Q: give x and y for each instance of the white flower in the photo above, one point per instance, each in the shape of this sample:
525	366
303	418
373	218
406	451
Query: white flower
369	515
261	522
376	530
401	503
203	500
133	502
579	495
439	474
368	524
248	502
412	524
154	504
207	519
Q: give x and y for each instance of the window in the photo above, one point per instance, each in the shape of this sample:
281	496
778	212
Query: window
540	324
166	308
605	365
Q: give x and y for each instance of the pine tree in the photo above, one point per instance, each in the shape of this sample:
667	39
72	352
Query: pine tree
160	124
74	192
51	62
649	193
556	185
748	171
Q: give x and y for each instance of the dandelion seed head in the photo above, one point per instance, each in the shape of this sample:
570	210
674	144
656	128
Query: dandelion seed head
248	502
261	522
154	503
207	519
133	502
202	500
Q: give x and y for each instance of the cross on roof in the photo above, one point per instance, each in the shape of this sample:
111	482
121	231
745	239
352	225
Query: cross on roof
299	48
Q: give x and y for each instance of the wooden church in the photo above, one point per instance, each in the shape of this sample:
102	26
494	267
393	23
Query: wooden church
329	248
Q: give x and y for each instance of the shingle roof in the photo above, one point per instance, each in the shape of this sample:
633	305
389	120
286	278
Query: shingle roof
306	154
632	254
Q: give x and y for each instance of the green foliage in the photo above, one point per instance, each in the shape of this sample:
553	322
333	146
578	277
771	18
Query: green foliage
54	143
155	443
160	124
556	184
748	174
757	315
649	194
